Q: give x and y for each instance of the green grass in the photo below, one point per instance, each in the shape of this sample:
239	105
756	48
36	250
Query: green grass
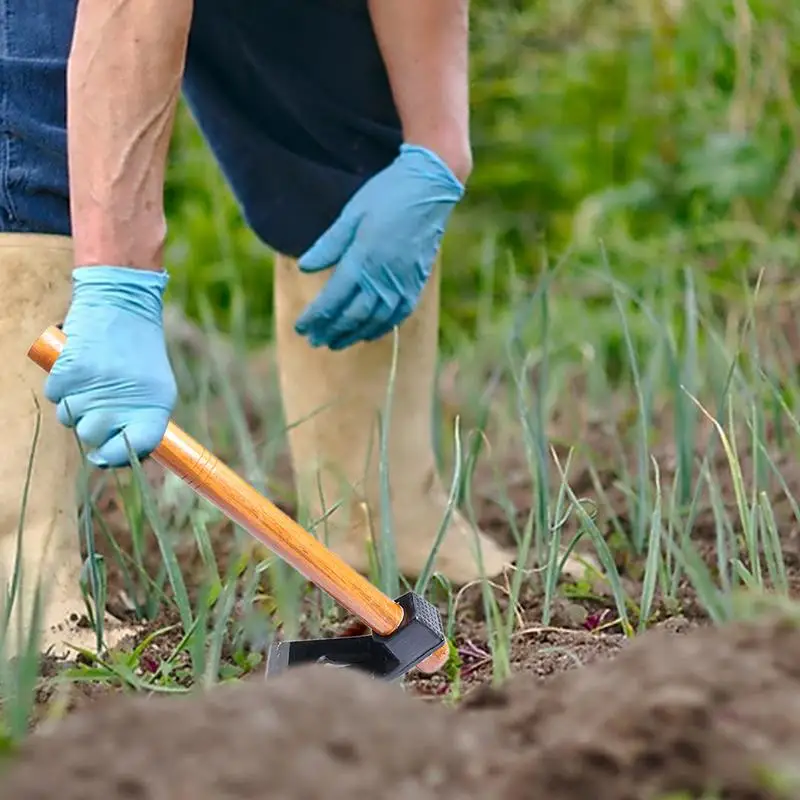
19	674
628	236
735	396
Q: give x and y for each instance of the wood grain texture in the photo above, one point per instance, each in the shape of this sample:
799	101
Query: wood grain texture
239	501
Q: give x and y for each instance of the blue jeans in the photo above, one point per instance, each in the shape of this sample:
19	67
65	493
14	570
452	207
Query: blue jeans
292	97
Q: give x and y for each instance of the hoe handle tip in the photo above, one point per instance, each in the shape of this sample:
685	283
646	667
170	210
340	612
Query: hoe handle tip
45	350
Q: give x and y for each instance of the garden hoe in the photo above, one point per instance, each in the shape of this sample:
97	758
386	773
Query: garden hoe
406	633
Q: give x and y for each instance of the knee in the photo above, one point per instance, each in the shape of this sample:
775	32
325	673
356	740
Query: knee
34	184
34	194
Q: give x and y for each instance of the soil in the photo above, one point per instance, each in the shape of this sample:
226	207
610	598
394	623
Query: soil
686	710
709	710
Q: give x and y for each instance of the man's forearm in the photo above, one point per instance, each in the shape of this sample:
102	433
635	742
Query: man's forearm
425	47
123	84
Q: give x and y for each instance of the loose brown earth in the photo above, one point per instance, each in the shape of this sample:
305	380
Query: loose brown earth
709	710
588	714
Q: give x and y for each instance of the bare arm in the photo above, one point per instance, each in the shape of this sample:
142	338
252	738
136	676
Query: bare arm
425	47
123	83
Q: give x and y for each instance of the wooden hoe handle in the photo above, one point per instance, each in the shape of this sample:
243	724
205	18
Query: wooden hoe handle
240	502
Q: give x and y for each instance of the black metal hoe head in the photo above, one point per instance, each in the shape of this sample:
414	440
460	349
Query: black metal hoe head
384	657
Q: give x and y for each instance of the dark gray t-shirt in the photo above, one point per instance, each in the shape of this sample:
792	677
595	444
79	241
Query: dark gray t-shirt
294	101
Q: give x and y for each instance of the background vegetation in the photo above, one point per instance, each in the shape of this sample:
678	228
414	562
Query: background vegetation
666	130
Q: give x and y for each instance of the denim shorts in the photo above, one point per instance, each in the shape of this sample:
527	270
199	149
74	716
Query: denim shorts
292	97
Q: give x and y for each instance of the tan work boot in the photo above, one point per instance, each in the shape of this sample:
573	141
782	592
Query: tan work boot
35	289
333	399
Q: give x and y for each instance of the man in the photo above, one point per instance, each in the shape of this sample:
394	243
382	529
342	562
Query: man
342	126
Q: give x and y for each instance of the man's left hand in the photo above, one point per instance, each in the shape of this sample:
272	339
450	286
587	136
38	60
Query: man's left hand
383	245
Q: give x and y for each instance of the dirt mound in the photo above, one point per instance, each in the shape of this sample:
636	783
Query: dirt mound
709	710
713	710
314	733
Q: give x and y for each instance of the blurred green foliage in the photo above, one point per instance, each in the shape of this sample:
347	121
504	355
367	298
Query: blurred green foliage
668	129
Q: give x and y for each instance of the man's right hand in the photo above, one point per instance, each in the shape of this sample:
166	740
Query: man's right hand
113	380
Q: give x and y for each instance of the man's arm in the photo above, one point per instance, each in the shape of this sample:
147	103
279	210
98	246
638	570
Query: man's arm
425	47
123	83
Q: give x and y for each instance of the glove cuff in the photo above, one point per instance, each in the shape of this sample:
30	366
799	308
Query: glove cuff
432	159
139	291
109	275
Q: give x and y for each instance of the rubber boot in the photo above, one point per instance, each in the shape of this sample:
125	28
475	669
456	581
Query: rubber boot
332	402
35	290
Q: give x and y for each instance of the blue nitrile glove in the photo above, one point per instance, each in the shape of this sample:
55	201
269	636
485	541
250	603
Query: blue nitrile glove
383	244
113	376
